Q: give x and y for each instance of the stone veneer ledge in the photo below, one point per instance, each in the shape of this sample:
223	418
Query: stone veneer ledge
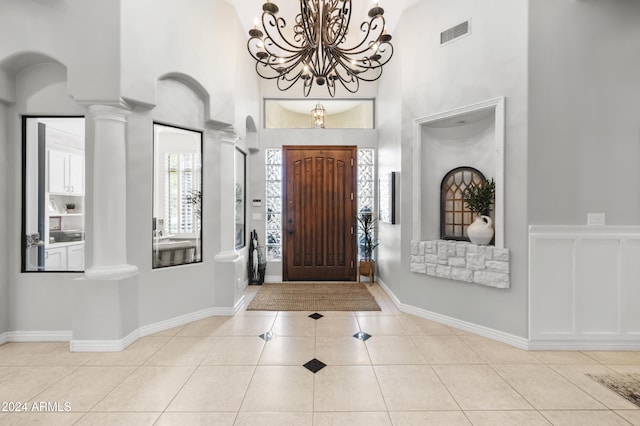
461	261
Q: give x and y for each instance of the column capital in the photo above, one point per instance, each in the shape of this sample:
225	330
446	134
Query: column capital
109	113
229	140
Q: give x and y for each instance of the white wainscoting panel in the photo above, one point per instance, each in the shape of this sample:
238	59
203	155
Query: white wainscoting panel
584	287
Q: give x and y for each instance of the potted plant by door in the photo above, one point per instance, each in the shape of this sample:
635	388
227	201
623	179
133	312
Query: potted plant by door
479	199
367	244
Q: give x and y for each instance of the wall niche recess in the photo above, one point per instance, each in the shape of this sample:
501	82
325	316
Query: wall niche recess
473	136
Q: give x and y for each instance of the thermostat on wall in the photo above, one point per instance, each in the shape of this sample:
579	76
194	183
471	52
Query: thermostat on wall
257	203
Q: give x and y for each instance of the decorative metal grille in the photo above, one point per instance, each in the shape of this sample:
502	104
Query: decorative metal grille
455	217
366	183
273	182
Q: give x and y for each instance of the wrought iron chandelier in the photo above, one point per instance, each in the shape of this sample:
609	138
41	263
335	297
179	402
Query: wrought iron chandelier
318	49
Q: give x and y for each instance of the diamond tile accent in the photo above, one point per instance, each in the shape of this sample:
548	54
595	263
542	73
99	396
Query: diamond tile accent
269	335
361	335
316	316
314	365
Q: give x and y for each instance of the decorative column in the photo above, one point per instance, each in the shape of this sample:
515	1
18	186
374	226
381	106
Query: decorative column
229	263
109	191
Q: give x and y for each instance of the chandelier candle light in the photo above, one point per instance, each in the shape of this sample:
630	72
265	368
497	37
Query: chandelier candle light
320	49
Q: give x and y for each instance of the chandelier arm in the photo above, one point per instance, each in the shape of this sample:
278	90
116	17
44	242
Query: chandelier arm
348	82
270	42
357	74
338	17
278	23
368	28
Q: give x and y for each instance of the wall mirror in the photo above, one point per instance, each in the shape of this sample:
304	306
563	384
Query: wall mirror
387	198
177	196
53	194
240	184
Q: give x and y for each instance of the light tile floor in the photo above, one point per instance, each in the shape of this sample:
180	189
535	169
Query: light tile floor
217	371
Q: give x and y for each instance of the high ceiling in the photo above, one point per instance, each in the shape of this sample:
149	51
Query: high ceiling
248	10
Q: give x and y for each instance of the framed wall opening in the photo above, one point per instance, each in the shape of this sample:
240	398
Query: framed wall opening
435	141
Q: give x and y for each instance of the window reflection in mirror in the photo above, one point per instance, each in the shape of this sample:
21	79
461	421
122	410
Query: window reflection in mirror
53	194
240	214
177	196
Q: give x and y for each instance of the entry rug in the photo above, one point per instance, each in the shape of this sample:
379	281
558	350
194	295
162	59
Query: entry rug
334	296
625	385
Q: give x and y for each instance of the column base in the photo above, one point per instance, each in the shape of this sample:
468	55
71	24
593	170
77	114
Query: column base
114	272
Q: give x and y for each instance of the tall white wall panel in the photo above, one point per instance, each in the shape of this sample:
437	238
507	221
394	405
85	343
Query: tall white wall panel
584	287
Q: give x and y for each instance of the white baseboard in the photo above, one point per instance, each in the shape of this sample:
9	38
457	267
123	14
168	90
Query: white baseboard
519	342
584	345
500	336
119	345
273	278
35	336
104	345
238	306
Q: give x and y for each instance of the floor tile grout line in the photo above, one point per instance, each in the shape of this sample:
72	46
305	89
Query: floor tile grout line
611	392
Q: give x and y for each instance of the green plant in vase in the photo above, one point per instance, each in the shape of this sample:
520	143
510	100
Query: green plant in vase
367	243
479	199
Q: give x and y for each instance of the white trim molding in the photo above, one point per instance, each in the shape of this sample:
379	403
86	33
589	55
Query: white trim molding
35	336
497	106
121	344
583	287
500	336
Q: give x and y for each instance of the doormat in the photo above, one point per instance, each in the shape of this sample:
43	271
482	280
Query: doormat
625	385
335	296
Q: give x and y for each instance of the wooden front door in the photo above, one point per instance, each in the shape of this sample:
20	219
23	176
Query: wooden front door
319	207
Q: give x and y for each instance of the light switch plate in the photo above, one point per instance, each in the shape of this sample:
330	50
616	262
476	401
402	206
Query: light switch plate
595	219
256	216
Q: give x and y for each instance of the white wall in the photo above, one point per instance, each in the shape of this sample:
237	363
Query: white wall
170	292
37	301
489	63
584	115
199	38
85	36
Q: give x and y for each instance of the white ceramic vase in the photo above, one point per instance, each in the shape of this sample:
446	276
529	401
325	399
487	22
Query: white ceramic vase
481	230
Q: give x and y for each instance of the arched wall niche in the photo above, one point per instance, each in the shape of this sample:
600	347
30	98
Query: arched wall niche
251	136
181	100
492	112
14	64
201	92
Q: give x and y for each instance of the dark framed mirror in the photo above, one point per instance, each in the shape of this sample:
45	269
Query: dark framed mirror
241	198
177	196
53	194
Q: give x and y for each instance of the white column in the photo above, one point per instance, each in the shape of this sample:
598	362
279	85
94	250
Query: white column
229	263
109	195
227	200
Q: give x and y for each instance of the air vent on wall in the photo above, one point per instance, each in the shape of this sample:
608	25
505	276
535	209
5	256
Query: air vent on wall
454	32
